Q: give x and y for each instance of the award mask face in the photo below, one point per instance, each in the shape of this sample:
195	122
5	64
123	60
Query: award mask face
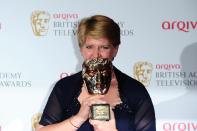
97	75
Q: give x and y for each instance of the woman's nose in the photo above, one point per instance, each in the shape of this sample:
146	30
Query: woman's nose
96	53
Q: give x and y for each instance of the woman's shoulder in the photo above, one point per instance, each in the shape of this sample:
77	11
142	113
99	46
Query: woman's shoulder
124	78
70	82
130	85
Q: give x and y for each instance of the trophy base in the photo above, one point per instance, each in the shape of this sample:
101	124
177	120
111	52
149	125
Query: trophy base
100	112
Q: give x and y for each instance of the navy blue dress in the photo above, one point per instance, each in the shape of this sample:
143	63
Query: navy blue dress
135	113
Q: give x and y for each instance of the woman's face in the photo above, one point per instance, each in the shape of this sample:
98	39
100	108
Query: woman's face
98	48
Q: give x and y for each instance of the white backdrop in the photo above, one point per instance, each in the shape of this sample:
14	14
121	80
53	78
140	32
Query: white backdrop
162	33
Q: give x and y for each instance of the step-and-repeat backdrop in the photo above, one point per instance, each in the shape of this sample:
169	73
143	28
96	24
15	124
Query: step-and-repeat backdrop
38	46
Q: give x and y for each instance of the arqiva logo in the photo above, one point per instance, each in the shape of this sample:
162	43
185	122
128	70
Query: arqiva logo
180	126
184	26
65	74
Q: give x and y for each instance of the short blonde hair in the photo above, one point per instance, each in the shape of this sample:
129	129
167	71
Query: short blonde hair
99	26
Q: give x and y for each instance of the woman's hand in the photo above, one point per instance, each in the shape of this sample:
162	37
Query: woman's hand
84	111
104	125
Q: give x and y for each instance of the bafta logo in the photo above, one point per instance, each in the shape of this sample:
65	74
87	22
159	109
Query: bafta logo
40	22
143	72
35	120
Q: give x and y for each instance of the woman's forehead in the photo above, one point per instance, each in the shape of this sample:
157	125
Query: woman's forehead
94	40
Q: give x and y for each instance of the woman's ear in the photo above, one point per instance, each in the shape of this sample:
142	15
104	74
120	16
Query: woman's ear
115	51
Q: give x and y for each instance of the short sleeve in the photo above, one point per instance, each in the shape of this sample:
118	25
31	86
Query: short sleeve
145	115
53	110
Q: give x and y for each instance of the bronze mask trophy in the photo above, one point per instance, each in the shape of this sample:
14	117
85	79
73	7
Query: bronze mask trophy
97	75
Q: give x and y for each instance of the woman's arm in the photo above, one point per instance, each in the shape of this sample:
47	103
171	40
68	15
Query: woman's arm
71	124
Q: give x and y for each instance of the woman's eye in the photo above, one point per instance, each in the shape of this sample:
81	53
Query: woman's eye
88	47
105	47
